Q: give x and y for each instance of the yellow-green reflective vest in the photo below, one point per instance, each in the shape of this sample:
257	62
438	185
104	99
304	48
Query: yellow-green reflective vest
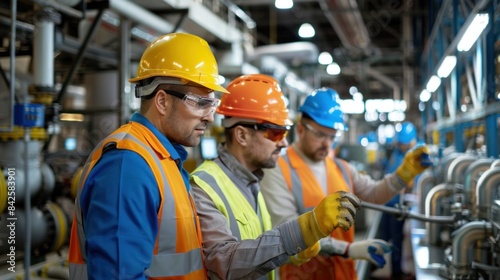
243	221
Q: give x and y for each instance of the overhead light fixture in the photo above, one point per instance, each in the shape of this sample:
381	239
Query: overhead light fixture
433	83
283	4
473	32
333	69
221	79
425	95
447	66
306	30
67	117
325	58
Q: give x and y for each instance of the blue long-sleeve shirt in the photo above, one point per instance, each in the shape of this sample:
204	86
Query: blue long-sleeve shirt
119	203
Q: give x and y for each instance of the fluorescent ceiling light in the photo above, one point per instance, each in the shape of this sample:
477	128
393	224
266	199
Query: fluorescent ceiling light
473	32
333	69
283	4
67	117
433	83
306	30
350	106
221	79
447	66
325	58
425	95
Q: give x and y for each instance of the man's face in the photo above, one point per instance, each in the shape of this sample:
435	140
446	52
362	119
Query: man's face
315	141
405	147
263	152
187	117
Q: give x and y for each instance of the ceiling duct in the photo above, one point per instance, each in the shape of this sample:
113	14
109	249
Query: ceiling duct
346	20
297	52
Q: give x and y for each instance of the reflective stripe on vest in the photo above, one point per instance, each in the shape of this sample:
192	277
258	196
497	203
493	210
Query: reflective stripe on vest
295	184
243	221
168	259
307	192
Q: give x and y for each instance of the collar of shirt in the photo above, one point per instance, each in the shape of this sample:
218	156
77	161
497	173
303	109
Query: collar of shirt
176	151
237	168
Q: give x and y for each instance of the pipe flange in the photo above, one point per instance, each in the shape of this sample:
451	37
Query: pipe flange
47	14
57	229
17	133
42	94
39	133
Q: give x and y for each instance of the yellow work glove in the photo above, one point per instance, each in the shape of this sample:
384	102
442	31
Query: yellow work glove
335	210
415	161
306	255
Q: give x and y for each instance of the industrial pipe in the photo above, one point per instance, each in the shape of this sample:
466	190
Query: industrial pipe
463	238
484	191
433	203
457	167
424	184
405	213
472	174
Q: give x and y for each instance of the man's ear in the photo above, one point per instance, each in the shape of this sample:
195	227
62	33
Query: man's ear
241	135
161	102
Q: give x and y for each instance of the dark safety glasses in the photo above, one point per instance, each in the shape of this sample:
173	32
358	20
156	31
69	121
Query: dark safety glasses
272	132
195	102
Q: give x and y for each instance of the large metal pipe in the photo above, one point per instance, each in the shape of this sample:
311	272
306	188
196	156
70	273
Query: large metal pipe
463	238
457	167
140	15
472	174
444	165
485	191
43	50
425	183
433	207
495	163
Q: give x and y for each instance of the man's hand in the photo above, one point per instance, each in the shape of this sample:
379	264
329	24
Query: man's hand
415	161
336	210
306	254
372	250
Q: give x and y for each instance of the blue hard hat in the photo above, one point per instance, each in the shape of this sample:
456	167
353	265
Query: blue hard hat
407	133
322	105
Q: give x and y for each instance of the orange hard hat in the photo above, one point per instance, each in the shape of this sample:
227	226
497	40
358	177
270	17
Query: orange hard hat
255	96
183	56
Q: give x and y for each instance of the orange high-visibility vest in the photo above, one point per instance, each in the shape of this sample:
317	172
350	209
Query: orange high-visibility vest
308	194
177	253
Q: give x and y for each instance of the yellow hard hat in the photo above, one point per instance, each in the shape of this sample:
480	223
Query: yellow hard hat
183	56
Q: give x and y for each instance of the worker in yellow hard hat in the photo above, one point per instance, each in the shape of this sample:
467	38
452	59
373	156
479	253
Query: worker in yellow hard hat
134	215
238	239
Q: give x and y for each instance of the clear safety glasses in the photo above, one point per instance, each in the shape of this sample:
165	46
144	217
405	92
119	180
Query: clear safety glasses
272	132
204	105
321	135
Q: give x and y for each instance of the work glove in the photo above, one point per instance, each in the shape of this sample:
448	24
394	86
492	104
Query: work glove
372	250
415	161
306	255
335	210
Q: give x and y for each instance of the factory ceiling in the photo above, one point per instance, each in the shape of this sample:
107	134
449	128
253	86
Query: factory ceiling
376	43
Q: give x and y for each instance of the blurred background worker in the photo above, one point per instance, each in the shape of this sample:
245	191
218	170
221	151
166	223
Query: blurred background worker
305	175
238	239
134	214
391	227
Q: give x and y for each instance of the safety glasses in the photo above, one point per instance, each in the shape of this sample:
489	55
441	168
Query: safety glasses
320	135
272	132
206	105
